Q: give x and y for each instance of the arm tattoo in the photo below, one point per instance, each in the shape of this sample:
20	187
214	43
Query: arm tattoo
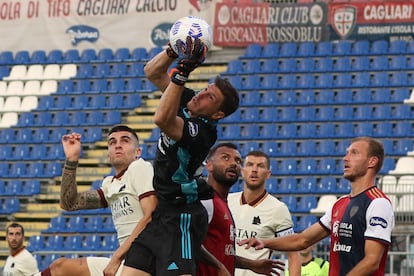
70	199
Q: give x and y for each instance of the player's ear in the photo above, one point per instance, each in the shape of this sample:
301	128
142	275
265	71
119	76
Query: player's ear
218	115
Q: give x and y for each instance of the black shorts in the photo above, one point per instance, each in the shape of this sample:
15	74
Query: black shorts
170	243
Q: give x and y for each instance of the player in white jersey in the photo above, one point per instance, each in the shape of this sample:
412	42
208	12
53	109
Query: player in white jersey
256	213
129	194
20	261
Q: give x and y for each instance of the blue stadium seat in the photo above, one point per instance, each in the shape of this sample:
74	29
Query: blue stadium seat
284	148
268	82
108	225
65	87
324	64
362	112
87	55
307	184
398	95
270	65
249	131
325	148
130	101
343	64
36	169
54	152
306	148
233	118
109	243
22	57
271	98
92	134
102	70
398	62
4	71
362	96
397	47
362	79
325	96
249	146
38	57
287	131
6	58
344	113
17	169
306	166
306	97
85	70
59	119
13	187
343	80
92	243
121	54
327	185
361	63
402	112
287	114
307	130
268	131
72	243
20	152
270	50
249	114
324	48
288	49
71	56
379	47
363	129
78	102
118	70
36	243
344	130
53	169
23	135
305	222
343	96
76	224
114	101
342	48
56	225
383	128
236	81
54	242
324	81
287	65
379	63
381	95
234	67
403	146
290	201
10	205
96	102
112	117
98	85
305	81
252	66
42	119
4	169
287	185
251	98
105	55
327	166
253	51
306	49
31	187
139	54
133	85
271	148
306	113
7	135
343	186
6	152
25	119
81	86
305	203
54	56
361	47
251	82
305	65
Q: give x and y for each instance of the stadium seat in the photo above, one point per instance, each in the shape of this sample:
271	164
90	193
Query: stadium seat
17	72
38	57
4	71
306	203
305	65
233	118
361	47
307	130
324	64
22	57
53	243
344	112
287	65
6	151
96	102
397	47
87	55
306	148
403	146
290	201
139	54
287	166
25	119
327	166
381	95
118	70
252	66
105	55
307	184
362	79
109	243
286	186
305	49
54	56
248	146
268	131
270	65
362	112
306	97
324	81
306	113
269	81
361	63
343	64
306	166
362	96
305	81
71	56
379	63
6	58
343	80
72	243
379	47
252	51
288	97
4	169
8	119
287	131
34	72
81	86
23	135
398	62
400	94
305	222
251	82
287	114
249	131
121	55
68	71
92	243
343	96
85	70
270	50
324	48
36	243
324	203
271	148
342	48
288	49
102	70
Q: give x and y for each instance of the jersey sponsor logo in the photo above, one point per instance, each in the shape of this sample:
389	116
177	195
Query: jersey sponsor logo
192	129
256	220
121	208
375	221
341	247
245	234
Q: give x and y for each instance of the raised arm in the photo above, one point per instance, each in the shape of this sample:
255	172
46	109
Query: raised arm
156	70
70	199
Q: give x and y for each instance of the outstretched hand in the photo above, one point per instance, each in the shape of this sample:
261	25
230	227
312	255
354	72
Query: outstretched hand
252	242
269	267
72	146
190	55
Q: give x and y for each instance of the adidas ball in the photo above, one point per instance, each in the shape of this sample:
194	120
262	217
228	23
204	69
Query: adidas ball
190	26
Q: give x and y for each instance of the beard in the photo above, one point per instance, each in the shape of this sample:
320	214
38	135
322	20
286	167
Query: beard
223	180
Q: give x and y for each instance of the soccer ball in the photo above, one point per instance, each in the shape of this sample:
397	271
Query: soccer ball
190	26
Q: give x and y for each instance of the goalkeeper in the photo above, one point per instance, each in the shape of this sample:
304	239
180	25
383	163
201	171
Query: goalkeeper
170	243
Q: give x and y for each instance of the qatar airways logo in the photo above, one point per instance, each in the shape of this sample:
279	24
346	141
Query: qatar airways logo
341	247
374	221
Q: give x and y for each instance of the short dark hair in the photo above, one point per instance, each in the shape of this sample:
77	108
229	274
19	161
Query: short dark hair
216	147
15	225
258	153
375	148
231	96
119	128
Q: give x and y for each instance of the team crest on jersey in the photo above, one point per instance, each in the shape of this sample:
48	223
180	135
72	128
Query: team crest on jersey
335	228
256	220
192	129
344	20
